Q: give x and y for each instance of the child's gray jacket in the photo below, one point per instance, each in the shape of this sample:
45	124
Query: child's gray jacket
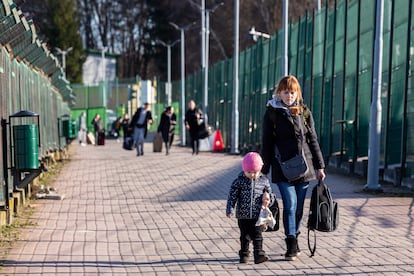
246	195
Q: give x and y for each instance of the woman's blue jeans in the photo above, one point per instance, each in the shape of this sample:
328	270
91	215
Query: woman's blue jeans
293	197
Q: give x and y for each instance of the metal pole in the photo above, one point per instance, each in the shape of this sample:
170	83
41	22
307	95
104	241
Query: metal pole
375	110
64	53
182	32
104	49
203	33
182	87
205	99
169	75
207	49
235	118
5	169
285	70
168	90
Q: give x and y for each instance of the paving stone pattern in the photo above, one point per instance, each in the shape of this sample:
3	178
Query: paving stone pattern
165	215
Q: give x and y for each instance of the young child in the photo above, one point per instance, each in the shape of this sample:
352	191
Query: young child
245	196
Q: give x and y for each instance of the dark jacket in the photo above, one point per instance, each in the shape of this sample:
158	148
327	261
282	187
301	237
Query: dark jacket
166	125
192	120
246	195
97	125
125	127
135	119
282	129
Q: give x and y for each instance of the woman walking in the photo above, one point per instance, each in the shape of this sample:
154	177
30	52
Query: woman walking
288	130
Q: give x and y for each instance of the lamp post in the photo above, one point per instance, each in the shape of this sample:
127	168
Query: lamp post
205	99
63	53
103	72
285	70
168	45
255	34
376	108
182	30
235	118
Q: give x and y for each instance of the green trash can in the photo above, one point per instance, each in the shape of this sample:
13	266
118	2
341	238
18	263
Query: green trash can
26	146
66	128
73	130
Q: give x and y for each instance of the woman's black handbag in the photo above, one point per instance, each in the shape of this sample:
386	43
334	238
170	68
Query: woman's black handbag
294	168
204	131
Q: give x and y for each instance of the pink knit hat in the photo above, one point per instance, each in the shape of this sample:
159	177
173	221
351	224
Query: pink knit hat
252	161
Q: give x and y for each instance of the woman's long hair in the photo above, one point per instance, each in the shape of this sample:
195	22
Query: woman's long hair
290	83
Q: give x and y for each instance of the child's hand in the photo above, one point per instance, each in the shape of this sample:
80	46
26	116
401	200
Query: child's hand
266	200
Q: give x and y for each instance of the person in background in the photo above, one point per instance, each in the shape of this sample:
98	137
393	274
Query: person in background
139	124
97	126
192	119
289	125
125	127
82	129
166	127
172	126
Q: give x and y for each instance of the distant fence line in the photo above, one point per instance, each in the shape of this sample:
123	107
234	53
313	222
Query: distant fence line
30	79
331	53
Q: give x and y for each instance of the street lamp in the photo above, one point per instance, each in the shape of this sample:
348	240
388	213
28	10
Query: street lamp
207	14
168	45
255	34
103	72
235	118
64	53
182	30
285	45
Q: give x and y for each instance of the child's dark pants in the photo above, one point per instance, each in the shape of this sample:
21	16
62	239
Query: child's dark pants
250	232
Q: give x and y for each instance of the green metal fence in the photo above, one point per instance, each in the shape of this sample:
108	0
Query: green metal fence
30	79
331	53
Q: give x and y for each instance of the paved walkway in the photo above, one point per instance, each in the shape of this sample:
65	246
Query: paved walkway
165	215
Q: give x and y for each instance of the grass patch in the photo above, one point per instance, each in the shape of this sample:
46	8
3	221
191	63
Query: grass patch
11	233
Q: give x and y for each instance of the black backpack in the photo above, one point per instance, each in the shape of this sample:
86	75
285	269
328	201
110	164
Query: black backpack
323	213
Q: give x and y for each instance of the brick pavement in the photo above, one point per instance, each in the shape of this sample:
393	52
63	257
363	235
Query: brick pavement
165	215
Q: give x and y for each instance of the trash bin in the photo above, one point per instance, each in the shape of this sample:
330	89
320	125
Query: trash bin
66	128
73	130
26	146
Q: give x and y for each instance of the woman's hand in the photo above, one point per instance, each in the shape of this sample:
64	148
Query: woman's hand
321	174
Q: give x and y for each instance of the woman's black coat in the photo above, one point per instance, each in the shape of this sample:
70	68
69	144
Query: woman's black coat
164	127
282	129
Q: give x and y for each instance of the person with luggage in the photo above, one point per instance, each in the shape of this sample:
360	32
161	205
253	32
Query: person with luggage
125	126
245	198
166	127
126	130
192	119
288	128
82	131
98	128
172	127
139	124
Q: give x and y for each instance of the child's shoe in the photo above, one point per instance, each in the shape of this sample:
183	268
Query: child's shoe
244	257
261	259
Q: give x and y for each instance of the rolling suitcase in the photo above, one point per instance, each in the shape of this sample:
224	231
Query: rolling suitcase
128	143
101	138
90	138
157	143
